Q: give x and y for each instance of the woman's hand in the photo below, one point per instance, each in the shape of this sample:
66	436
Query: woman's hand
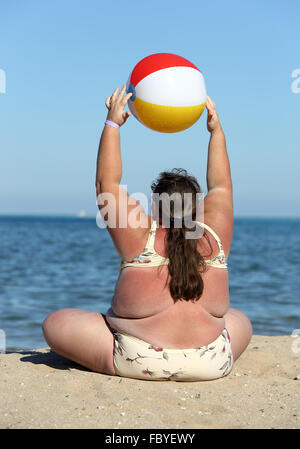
213	122
116	104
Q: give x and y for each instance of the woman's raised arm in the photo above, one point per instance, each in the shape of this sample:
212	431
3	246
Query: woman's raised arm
109	164
115	205
218	168
218	203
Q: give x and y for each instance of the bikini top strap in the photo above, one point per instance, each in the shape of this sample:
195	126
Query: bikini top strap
151	237
213	233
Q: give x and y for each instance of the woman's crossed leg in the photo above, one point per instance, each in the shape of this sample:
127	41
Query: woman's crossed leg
82	337
240	331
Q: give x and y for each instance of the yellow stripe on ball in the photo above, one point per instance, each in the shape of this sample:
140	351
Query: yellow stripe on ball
167	119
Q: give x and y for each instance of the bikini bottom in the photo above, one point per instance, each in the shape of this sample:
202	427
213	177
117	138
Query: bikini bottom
138	359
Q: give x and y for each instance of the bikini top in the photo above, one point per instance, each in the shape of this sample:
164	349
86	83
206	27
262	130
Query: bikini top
150	258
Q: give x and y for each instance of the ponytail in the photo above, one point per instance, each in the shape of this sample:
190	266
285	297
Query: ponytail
185	265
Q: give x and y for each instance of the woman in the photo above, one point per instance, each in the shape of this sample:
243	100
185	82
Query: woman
170	315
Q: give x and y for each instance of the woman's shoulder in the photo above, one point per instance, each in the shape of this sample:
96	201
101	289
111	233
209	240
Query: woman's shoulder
219	233
218	214
130	241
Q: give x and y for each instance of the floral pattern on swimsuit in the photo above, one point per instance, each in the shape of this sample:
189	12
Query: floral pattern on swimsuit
138	359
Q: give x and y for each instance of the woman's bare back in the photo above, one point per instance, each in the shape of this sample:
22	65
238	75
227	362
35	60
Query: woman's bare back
142	305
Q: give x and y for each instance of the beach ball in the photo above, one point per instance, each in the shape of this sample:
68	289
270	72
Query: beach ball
168	92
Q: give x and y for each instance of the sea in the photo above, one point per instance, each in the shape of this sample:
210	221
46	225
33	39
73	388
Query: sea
54	262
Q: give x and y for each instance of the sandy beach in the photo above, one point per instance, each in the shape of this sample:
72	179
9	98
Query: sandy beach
39	389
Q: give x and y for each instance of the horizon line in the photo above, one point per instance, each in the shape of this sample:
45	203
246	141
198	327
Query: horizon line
87	216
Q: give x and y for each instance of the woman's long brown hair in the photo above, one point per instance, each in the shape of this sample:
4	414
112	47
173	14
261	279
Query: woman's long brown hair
185	262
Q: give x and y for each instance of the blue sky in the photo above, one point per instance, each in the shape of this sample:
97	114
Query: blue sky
63	58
